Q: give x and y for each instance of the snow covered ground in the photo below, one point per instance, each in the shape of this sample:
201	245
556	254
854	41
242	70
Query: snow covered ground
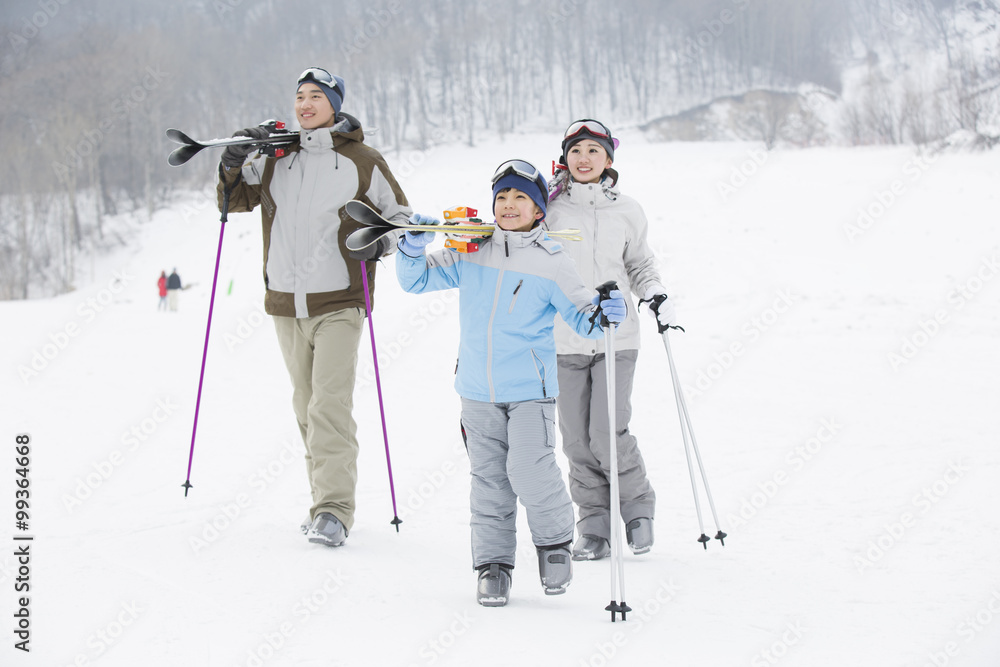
841	365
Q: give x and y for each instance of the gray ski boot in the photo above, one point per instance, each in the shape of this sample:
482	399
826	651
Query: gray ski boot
306	523
555	568
591	547
494	585
327	530
639	533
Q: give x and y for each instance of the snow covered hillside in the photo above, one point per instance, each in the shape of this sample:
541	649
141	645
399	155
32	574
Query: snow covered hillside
842	309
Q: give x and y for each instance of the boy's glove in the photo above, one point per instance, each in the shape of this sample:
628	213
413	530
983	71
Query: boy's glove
413	243
372	252
234	156
613	308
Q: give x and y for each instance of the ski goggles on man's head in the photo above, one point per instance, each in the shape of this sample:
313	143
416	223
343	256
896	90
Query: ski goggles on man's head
593	127
319	75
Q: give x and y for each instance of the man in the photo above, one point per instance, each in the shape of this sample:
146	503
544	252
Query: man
173	289
314	287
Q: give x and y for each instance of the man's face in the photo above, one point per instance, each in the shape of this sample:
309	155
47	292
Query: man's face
313	108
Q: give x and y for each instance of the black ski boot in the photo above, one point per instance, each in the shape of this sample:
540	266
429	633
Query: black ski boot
555	568
494	585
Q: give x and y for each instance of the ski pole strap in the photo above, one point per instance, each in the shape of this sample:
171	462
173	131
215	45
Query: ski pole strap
656	301
226	189
603	293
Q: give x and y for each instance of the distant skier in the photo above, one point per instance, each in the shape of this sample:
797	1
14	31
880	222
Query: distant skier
173	289
162	285
509	291
314	286
585	196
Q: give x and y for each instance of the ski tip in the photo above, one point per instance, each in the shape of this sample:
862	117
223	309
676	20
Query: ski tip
179	137
360	211
182	154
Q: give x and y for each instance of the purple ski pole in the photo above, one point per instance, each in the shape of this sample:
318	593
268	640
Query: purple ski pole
378	386
208	329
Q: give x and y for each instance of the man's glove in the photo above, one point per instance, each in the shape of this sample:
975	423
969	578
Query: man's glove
372	252
234	156
614	308
413	243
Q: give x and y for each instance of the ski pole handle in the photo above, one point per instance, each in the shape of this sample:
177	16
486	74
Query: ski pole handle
604	293
656	301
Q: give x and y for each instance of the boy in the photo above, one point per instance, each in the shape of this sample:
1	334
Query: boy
509	293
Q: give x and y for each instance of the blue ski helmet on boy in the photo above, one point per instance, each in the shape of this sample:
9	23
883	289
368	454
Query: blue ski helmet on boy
522	175
331	85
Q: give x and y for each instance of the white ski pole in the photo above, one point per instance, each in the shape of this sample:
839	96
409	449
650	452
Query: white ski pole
617	558
687	432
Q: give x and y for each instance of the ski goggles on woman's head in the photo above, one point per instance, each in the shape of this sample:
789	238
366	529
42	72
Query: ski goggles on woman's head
319	75
593	127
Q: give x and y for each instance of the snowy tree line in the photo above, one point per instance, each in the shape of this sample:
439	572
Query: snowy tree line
88	89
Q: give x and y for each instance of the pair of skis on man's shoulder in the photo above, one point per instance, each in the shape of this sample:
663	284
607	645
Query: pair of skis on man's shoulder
278	136
375	225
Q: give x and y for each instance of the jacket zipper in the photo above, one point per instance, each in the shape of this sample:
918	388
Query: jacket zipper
541	376
514	300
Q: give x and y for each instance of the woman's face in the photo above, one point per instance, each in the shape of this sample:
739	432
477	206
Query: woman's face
587	160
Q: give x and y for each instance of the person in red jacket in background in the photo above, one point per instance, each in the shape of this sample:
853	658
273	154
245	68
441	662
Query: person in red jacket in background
162	284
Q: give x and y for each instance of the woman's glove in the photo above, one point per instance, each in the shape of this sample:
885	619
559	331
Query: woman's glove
662	309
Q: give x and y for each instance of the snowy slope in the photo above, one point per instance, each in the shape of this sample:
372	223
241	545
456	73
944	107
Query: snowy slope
859	489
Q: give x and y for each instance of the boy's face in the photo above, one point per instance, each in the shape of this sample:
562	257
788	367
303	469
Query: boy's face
313	108
587	160
515	211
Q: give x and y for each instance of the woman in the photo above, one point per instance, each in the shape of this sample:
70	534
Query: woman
584	195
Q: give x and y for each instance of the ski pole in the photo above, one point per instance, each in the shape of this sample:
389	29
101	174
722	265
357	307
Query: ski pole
224	209
204	355
687	433
378	386
617	557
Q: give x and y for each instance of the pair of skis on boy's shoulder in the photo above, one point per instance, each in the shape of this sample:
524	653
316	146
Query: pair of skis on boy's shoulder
376	227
